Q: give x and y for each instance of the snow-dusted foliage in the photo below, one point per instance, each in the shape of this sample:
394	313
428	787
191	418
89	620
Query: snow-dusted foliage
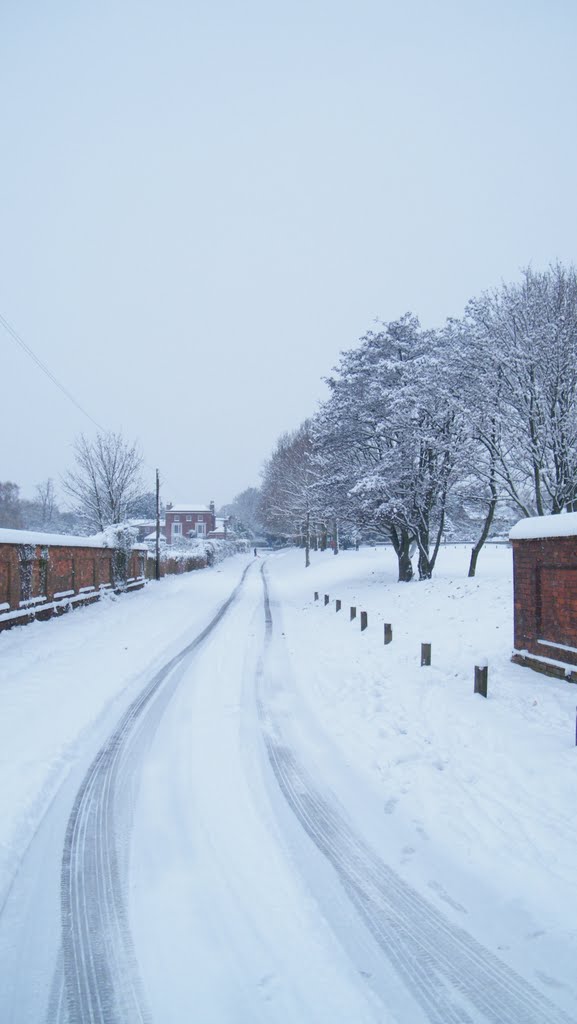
443	433
291	499
388	438
523	339
121	538
243	513
197	554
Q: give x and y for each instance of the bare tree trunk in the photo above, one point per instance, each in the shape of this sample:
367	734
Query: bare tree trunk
402	544
424	564
157	536
426	559
486	528
307	540
335	536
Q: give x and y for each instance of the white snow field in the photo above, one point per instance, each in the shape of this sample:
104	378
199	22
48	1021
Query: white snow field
223	802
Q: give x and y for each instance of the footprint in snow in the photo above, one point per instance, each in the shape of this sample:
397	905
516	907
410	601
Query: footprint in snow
444	895
548	980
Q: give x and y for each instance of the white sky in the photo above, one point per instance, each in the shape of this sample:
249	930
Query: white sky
202	204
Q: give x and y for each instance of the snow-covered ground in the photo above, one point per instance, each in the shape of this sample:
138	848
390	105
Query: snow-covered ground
475	798
65	682
235	914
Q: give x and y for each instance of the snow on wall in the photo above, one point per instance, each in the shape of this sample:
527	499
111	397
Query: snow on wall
536	527
101	540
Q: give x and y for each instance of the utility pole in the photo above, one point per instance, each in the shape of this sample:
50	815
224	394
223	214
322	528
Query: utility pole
157	547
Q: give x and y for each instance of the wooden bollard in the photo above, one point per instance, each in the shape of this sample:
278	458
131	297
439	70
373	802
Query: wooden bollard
337	605
388	632
364	621
425	654
316	595
326	599
481	672
353	613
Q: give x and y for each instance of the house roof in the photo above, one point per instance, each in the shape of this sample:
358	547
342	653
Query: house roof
191	507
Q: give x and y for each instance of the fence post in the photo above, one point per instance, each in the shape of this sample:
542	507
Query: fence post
425	654
326	599
316	595
337	605
388	632
353	613
364	621
481	672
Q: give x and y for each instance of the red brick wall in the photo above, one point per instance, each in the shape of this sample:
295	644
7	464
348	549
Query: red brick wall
545	595
9	577
30	573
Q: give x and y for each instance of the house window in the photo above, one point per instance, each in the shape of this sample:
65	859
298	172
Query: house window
176	529
177	519
189	519
200	529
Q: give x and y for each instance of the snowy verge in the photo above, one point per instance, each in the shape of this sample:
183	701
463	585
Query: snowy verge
474	798
62	679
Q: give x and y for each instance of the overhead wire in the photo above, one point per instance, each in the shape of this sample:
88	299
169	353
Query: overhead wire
51	376
45	369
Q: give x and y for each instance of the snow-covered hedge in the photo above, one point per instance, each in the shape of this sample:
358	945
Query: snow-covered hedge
196	554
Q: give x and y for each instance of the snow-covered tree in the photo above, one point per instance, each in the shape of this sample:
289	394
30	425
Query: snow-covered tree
289	504
243	511
10	506
105	484
45	499
388	439
526	335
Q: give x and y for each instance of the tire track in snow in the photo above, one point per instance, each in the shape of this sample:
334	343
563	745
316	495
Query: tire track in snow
453	977
99	972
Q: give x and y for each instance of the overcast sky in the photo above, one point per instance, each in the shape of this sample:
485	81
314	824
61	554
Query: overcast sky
202	204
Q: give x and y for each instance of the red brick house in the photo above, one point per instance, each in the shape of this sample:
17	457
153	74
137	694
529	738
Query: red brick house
545	594
189	521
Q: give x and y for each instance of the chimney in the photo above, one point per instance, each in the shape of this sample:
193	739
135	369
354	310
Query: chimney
211	507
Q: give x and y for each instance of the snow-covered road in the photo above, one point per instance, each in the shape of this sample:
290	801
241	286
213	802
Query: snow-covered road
209	859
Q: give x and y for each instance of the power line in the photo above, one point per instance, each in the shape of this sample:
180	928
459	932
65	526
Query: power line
45	369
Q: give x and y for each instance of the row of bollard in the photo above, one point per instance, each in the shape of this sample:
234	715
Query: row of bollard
481	671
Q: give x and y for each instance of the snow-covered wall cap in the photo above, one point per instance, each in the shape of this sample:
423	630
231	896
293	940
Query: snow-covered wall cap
56	539
37	537
563	525
189	508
